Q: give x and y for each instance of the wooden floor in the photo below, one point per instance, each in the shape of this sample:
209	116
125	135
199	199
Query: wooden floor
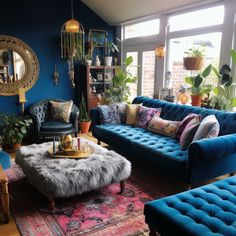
145	178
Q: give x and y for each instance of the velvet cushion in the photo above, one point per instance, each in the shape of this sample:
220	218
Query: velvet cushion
60	110
189	132
208	128
109	114
184	123
122	111
131	113
162	126
145	114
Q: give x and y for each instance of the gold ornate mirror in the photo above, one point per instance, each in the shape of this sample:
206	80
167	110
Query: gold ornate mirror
19	66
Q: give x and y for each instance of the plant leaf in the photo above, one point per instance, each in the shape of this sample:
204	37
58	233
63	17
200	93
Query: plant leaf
207	71
233	55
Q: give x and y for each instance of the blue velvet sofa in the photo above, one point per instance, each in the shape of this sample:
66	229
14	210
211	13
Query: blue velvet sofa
203	160
208	210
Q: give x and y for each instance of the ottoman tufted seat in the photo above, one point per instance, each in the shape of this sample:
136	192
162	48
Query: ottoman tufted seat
208	210
64	177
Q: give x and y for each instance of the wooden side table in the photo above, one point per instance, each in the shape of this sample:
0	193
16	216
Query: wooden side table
4	194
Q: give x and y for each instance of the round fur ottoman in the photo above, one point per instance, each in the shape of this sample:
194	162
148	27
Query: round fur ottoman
63	177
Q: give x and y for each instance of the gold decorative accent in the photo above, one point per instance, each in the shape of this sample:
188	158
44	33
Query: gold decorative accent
31	65
160	51
74	154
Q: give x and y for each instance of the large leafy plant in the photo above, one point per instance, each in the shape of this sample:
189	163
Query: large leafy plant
14	128
119	91
198	83
225	97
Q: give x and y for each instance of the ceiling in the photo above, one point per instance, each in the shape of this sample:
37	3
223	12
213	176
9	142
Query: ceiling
118	11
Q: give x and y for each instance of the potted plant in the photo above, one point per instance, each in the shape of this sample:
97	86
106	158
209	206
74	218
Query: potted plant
198	85
224	93
111	48
194	58
14	128
84	120
120	91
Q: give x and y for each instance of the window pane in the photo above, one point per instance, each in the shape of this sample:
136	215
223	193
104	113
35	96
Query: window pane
148	73
142	29
176	53
196	19
133	69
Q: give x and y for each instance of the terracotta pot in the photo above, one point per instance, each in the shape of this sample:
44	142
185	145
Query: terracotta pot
196	100
193	63
16	145
84	126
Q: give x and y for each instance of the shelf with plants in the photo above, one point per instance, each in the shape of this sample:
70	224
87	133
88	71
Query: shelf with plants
98	79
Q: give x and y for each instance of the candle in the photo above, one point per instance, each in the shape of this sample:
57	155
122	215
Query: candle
78	142
74	143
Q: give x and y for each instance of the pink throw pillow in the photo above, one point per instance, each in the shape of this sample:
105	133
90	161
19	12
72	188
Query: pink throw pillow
184	123
145	114
189	132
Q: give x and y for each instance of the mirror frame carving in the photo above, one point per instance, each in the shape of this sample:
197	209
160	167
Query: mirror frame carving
31	65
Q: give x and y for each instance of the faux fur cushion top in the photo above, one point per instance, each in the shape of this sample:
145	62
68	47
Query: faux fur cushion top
62	177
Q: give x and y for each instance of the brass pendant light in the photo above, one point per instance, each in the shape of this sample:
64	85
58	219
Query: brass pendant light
72	43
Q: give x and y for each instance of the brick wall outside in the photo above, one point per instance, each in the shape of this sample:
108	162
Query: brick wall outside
148	73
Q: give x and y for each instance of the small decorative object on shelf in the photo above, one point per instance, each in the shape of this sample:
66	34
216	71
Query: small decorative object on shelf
182	96
55	75
97	61
94	90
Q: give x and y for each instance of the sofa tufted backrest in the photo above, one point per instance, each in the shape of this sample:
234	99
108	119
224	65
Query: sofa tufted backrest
41	109
172	111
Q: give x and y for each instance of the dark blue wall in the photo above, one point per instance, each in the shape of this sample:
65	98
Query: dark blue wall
38	23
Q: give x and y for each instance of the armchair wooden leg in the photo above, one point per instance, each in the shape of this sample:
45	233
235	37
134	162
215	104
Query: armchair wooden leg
232	174
99	142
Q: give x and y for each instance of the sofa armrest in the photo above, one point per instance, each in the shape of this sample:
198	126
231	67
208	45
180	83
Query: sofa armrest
209	158
213	147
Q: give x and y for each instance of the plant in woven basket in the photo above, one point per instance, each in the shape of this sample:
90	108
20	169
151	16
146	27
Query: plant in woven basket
194	58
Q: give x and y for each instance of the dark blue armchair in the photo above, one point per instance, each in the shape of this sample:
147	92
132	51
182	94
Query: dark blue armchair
43	127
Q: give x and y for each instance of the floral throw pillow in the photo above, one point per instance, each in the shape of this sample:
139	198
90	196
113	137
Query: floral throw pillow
60	110
208	128
145	114
189	132
166	127
109	114
122	111
184	123
131	113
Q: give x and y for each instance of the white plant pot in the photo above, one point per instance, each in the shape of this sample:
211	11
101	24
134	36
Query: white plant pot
88	62
108	61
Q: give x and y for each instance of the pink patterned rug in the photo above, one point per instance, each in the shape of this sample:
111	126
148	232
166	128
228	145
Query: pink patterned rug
100	213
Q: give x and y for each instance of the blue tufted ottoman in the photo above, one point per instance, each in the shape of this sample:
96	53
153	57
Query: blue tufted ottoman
5	160
208	210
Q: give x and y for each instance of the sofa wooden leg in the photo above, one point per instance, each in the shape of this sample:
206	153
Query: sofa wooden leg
232	174
52	204
99	142
152	232
122	186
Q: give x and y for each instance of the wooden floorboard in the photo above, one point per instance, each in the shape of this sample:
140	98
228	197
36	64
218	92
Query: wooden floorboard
145	178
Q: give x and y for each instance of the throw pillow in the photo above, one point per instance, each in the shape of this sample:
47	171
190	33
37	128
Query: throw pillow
131	113
122	111
145	114
109	114
166	127
184	123
189	132
208	128
60	110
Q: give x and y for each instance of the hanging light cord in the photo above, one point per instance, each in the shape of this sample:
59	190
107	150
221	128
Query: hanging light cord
72	15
